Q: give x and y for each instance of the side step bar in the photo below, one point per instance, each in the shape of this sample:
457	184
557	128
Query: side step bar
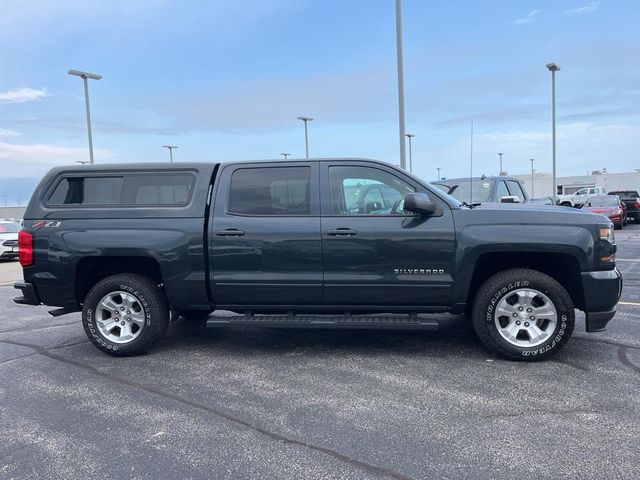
404	322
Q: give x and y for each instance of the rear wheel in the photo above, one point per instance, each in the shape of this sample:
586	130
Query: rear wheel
523	314
125	314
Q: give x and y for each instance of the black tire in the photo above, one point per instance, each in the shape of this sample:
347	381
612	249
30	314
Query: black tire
498	287
154	308
617	226
196	314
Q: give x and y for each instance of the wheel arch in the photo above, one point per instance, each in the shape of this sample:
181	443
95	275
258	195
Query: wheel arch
563	268
90	270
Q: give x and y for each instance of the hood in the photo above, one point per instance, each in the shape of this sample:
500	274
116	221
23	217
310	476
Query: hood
514	213
602	210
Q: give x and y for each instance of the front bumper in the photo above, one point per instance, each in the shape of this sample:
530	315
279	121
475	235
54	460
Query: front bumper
602	290
29	294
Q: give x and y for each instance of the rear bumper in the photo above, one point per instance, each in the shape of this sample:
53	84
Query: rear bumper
602	290
29	294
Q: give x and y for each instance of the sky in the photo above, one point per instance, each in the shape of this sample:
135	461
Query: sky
226	80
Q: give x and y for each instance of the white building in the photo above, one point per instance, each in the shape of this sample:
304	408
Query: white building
542	185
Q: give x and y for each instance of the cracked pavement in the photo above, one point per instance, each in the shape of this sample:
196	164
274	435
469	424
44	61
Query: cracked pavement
260	403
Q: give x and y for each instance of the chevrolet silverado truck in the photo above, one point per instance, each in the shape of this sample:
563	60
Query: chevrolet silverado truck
307	243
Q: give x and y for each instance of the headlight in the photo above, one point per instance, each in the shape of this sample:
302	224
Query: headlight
607	245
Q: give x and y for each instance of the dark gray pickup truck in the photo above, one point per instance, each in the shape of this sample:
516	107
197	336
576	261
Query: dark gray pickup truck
319	243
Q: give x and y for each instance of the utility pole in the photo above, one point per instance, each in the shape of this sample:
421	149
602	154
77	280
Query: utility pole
531	160
400	59
306	120
410	136
170	148
85	76
471	168
438	169
500	155
553	68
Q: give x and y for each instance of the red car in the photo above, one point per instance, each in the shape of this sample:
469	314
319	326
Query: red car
609	206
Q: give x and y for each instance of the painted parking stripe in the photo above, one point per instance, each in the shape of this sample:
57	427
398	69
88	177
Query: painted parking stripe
627	260
634	304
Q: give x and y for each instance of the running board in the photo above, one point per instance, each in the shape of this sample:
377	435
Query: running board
411	321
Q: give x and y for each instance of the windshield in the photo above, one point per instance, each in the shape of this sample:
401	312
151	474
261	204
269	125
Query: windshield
604	202
474	191
9	227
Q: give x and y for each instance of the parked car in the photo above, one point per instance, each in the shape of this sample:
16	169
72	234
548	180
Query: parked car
9	240
135	245
631	199
476	191
610	206
579	198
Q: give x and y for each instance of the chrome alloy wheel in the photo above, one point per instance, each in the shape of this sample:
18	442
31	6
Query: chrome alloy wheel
526	317
120	317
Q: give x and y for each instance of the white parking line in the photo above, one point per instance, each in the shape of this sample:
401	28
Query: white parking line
627	260
633	304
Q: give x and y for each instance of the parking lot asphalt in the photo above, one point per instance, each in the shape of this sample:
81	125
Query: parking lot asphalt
267	404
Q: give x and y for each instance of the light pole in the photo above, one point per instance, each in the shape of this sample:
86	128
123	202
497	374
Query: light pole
399	54
170	148
306	135
531	160
438	169
285	155
410	136
553	68
85	76
500	155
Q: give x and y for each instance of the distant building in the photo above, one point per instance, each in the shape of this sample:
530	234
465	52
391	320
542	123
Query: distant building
12	213
543	182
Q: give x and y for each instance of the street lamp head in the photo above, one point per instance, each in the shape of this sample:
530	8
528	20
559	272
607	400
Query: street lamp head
305	119
169	146
409	135
552	67
78	73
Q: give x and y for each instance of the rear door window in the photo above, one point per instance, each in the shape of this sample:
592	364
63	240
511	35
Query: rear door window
501	190
87	191
270	191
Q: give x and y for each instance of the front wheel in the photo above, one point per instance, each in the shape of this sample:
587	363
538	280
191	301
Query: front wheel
125	314
523	314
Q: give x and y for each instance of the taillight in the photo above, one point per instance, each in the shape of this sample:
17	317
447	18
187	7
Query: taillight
637	204
25	248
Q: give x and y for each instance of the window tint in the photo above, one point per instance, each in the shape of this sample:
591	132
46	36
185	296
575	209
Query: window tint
159	189
516	190
87	191
501	190
366	191
270	191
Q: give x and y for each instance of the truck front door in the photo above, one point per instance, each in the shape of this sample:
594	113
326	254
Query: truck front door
374	252
265	246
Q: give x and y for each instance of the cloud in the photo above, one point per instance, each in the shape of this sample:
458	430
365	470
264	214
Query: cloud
30	160
590	8
8	133
22	95
530	17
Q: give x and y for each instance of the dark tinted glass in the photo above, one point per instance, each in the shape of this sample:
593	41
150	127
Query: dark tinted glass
159	189
87	191
270	191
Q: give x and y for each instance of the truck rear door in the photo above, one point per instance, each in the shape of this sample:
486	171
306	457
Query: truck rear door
264	237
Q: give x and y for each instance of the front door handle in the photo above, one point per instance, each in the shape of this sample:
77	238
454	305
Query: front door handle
342	232
230	232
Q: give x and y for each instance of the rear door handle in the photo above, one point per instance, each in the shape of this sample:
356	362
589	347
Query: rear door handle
342	232
230	232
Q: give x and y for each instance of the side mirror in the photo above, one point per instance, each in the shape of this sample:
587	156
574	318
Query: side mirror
510	199
419	203
372	207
